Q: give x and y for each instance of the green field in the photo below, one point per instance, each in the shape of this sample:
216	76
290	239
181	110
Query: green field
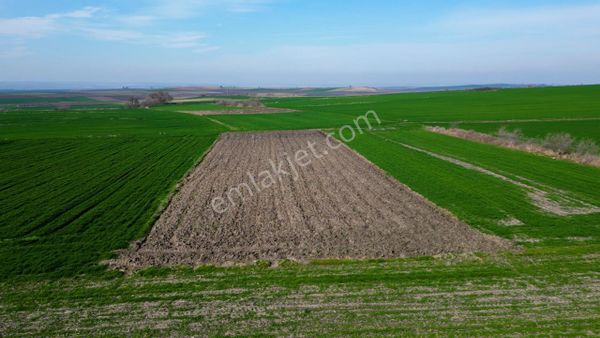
501	105
76	185
21	99
191	106
550	292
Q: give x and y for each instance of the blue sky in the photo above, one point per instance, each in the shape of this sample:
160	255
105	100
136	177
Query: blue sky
300	43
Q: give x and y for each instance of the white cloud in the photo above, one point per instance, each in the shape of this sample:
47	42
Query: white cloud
185	40
39	26
191	8
182	40
85	22
137	20
113	34
28	27
86	12
201	49
244	6
538	20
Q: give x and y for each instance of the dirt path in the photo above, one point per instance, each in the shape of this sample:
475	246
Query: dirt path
228	126
338	206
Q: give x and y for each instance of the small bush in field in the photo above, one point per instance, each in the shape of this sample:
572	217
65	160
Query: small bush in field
514	136
586	147
560	143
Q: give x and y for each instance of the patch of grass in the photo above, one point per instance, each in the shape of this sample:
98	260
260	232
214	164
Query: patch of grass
550	291
191	106
102	124
74	186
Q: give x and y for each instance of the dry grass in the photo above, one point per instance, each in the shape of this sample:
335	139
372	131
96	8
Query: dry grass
555	146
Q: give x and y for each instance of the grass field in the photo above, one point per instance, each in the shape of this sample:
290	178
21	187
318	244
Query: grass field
550	292
76	185
21	99
102	123
500	105
192	106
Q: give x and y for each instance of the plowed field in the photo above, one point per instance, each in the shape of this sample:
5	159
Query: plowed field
332	204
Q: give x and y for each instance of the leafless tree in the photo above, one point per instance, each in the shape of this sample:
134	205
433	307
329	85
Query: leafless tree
586	147
160	97
514	136
240	103
560	143
133	102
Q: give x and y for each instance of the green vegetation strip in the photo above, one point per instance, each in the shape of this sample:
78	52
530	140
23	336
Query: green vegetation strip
549	291
506	104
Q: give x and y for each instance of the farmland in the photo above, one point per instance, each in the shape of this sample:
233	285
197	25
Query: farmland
461	106
77	185
331	205
19	99
69	178
192	106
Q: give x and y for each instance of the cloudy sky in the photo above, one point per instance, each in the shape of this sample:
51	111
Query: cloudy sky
300	42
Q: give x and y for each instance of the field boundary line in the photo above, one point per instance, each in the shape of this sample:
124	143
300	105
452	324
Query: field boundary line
230	127
529	145
168	199
551	200
409	189
517	120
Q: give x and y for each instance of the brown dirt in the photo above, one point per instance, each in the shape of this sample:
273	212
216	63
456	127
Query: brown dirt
241	111
339	206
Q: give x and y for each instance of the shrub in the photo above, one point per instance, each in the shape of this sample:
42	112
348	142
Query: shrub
157	98
586	147
515	136
240	103
133	102
263	264
560	143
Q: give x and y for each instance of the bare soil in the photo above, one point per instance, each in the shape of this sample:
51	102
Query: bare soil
338	206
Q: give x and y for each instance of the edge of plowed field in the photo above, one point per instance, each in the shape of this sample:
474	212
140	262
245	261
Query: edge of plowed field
515	247
164	203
